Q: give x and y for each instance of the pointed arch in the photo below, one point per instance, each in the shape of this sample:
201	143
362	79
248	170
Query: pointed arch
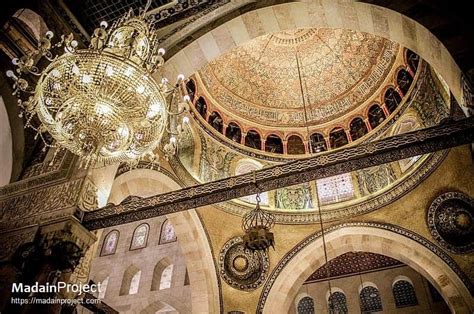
162	275
401	244
167	233
130	280
110	243
140	236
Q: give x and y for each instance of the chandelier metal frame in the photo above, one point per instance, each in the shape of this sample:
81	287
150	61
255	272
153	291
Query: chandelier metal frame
103	103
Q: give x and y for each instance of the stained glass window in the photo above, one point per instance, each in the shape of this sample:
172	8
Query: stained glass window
336	188
167	232
306	306
110	243
140	237
370	300
404	294
166	275
337	303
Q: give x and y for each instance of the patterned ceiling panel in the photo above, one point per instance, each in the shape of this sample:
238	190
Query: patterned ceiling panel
339	70
353	263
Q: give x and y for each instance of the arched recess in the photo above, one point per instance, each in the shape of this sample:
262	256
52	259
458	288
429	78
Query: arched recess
235	29
189	231
403	245
6	142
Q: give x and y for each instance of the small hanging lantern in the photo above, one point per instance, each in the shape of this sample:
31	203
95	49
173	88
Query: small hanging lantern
257	224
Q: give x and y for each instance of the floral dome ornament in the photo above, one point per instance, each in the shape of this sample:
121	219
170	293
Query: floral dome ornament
102	102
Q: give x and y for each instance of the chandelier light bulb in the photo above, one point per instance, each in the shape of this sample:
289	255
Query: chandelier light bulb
173	140
49	34
74	43
185	120
180	78
11	74
161	51
104	24
15	61
186	98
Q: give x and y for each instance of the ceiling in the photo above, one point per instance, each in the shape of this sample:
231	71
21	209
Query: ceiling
273	78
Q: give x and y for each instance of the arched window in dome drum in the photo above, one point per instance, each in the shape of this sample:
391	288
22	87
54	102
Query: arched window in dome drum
295	145
306	306
201	107
337	303
392	99
318	143
215	120
253	140
233	132
274	144
376	116
404	294
404	80
338	138
370	300
358	128
413	60
191	88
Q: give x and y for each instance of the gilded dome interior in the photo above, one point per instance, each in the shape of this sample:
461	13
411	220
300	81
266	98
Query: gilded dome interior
264	80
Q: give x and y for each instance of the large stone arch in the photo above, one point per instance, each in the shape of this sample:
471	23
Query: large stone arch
415	251
189	230
331	14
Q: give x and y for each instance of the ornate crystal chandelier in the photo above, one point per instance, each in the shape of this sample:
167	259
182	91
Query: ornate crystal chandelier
101	103
256	225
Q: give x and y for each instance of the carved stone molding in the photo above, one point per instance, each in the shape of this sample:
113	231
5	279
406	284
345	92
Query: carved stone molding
402	231
241	268
450	219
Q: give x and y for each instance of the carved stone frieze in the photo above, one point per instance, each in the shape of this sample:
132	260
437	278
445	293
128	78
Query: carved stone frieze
38	205
11	241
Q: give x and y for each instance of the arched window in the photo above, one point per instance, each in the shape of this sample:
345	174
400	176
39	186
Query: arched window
338	138
295	145
246	166
253	140
370	300
404	126
191	88
110	243
233	132
318	143
162	275
140	237
103	288
376	116
358	128
404	80
215	120
273	144
201	107
130	280
404	293
392	99
306	306
335	189
337	303
413	60
167	232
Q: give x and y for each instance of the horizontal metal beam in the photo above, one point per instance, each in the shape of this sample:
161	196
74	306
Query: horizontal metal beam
334	162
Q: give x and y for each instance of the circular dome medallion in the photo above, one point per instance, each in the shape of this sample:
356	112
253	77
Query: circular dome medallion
451	222
241	268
